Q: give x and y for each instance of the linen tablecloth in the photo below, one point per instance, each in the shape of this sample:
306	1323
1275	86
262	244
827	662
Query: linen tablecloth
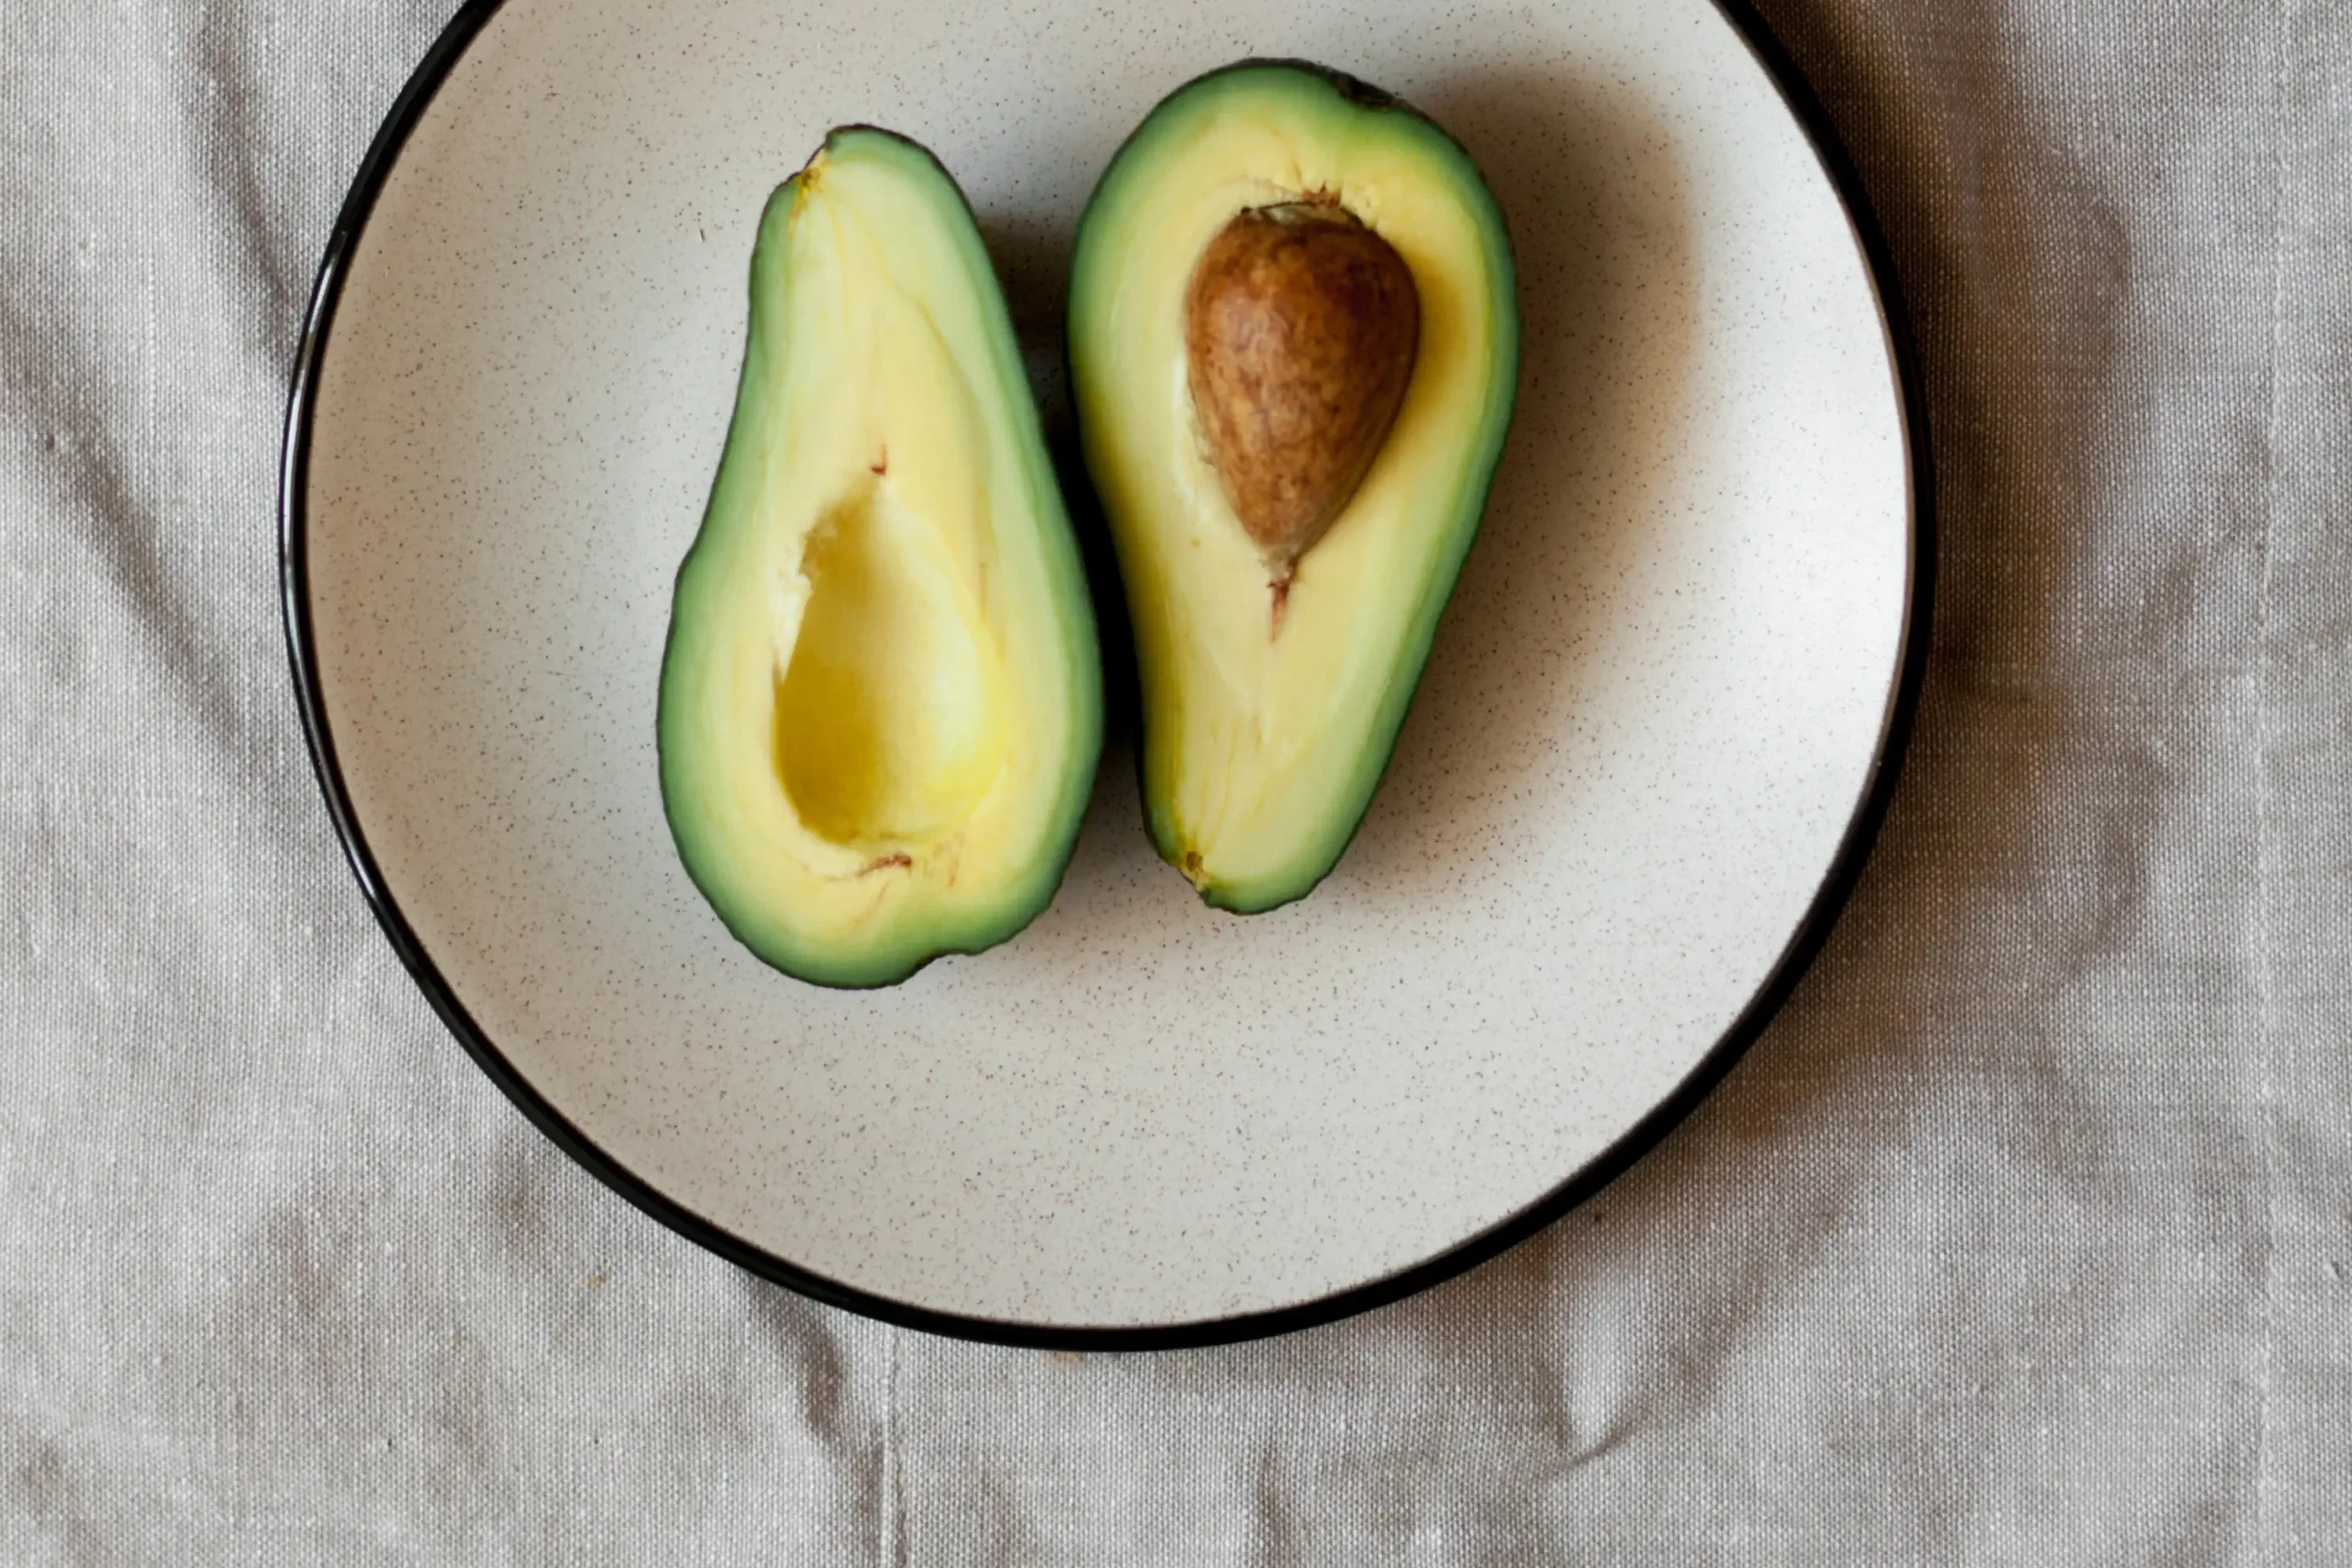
2025	1235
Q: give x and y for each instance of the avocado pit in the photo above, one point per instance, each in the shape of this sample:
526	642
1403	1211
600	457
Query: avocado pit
1300	329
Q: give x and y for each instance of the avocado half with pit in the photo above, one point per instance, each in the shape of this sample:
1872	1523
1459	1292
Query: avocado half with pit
1293	350
881	703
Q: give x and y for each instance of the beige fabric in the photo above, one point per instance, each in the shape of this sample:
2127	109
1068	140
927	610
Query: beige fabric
2025	1235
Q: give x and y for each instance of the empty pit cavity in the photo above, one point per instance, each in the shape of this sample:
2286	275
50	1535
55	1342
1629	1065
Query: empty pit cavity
889	715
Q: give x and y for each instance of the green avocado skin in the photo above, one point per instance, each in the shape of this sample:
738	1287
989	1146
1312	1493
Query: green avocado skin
870	959
1323	845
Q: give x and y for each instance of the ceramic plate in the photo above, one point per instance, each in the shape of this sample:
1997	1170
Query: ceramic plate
1653	739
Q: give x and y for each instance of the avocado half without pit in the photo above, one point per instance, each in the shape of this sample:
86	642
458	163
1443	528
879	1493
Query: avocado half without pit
1293	350
880	706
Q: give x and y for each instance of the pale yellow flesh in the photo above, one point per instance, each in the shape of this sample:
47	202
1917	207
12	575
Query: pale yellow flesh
881	715
1255	731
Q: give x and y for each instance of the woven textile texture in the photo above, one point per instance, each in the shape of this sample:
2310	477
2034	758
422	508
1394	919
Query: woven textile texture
2024	1235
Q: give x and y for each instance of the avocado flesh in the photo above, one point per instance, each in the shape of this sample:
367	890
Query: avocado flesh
1265	736
881	701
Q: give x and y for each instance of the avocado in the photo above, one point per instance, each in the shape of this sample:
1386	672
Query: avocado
1293	350
881	701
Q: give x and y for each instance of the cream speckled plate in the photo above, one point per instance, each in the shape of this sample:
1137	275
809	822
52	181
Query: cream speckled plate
1654	741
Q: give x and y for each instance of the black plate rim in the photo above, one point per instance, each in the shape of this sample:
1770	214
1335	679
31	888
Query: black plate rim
1813	930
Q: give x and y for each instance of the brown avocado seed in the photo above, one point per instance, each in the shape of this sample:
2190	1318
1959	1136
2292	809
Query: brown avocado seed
1301	328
